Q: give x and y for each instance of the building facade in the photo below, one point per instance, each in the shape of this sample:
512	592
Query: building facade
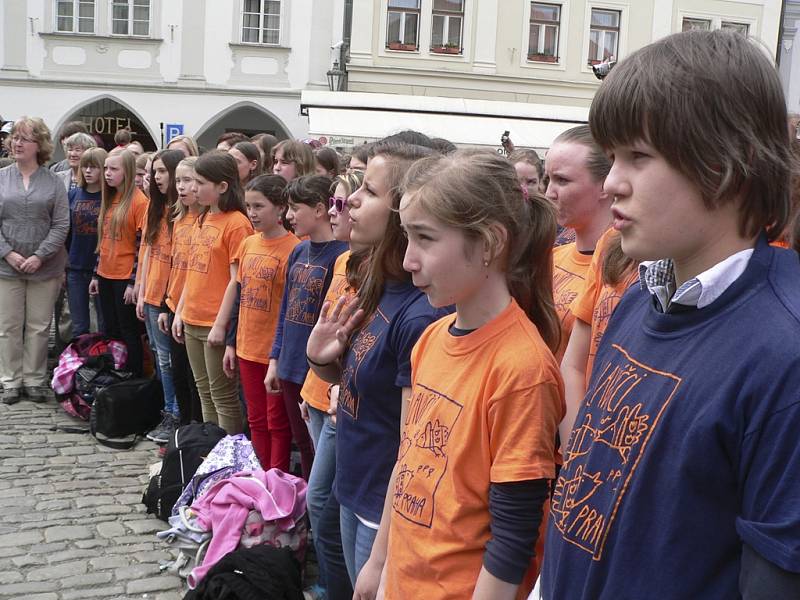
789	52
200	67
525	66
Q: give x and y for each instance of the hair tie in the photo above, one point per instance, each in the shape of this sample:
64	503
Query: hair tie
525	193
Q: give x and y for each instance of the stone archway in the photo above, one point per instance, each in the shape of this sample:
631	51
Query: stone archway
246	117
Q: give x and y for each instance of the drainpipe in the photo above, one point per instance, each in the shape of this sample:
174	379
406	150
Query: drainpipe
347	28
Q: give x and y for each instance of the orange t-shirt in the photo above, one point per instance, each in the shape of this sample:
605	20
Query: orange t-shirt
262	274
569	272
595	304
159	263
118	249
214	245
315	390
181	251
484	408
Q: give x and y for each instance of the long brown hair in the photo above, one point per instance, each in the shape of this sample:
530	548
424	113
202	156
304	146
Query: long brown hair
160	204
385	261
472	190
218	166
616	264
126	192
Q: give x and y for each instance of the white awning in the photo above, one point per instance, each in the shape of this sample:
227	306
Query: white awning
362	116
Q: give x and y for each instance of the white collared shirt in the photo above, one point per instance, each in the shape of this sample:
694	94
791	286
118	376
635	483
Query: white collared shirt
658	277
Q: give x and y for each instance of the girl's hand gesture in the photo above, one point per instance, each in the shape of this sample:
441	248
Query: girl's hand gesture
177	329
216	337
328	339
229	362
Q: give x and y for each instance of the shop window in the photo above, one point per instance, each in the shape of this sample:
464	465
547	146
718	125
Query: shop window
545	25
261	22
130	17
603	35
446	26
402	25
75	16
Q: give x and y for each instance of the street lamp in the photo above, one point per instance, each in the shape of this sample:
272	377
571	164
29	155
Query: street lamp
336	78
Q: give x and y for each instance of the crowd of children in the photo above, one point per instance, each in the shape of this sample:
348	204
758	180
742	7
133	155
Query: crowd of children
581	374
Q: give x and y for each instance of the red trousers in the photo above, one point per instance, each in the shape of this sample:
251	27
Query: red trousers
292	400
266	413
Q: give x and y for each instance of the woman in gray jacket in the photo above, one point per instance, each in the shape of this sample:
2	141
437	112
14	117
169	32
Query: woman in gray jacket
34	222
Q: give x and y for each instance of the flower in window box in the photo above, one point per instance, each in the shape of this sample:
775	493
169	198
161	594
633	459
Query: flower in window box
448	48
402	46
542	57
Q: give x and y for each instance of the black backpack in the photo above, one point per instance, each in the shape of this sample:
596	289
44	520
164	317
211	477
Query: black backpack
185	453
127	408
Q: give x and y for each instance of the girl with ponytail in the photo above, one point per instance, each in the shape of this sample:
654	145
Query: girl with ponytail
477	449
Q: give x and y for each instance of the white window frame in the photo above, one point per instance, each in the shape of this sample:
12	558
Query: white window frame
542	33
447	15
717	20
130	33
418	11
563	41
622	41
261	18
604	33
75	17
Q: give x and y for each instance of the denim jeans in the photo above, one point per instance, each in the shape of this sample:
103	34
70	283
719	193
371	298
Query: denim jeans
323	433
334	577
357	540
80	302
161	342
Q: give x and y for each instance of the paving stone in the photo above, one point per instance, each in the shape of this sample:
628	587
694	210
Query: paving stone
20	539
10	577
57	572
68	532
111	529
102	592
146	526
108	562
137	571
153	584
86	579
22	590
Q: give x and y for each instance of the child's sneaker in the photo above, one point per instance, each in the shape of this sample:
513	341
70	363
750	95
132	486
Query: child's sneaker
163	432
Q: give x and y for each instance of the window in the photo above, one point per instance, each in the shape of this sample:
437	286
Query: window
544	28
603	35
696	24
742	28
402	25
447	23
130	17
75	16
261	22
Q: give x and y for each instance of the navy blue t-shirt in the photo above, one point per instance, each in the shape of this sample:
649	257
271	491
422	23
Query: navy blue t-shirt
309	270
375	369
83	210
685	447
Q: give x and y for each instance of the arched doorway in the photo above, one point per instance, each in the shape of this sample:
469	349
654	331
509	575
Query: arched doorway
105	116
245	117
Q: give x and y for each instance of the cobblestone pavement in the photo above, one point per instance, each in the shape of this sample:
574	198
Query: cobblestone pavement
72	525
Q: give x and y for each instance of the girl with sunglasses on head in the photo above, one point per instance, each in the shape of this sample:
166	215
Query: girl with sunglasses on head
478	443
372	360
261	276
320	399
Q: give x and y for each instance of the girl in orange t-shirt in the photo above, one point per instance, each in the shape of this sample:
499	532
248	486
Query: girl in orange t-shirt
183	215
153	276
119	227
202	315
478	444
261	278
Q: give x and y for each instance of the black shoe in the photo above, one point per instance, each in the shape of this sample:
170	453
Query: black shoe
12	395
39	393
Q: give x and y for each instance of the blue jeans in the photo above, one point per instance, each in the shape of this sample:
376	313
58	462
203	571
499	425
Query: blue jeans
357	540
323	434
161	342
79	302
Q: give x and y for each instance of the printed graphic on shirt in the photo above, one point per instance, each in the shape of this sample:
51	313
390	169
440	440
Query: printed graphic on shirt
622	410
181	247
203	241
422	458
257	284
305	284
364	341
601	314
107	233
84	217
565	289
161	250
